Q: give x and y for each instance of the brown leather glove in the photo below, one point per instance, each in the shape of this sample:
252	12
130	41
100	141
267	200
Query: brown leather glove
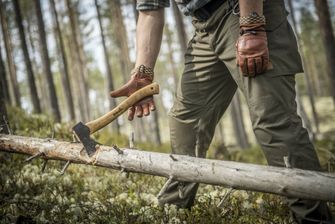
252	52
138	80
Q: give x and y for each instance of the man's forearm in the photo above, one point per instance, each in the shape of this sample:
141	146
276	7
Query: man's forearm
249	6
252	48
149	33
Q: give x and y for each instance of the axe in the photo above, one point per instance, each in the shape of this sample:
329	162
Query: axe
83	131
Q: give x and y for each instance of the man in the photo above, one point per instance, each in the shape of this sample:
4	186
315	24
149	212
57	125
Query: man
245	44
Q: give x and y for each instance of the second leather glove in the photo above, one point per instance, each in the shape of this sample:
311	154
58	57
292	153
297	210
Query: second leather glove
252	54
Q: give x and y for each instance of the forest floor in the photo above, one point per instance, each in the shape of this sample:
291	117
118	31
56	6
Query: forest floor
86	194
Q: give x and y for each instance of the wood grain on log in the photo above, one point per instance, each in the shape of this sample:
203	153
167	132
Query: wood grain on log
276	180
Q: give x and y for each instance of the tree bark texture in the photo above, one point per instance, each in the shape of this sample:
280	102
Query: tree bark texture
39	75
155	128
109	75
302	113
313	45
317	83
3	96
220	128
4	91
327	34
282	181
10	59
53	100
174	70
120	37
83	99
65	70
30	73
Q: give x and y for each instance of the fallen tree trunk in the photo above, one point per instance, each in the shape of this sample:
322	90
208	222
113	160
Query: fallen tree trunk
276	180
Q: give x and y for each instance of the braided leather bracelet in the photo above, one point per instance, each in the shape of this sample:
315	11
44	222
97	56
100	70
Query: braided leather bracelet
143	70
253	18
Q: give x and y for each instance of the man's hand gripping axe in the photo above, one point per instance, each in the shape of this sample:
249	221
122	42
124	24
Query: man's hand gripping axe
83	131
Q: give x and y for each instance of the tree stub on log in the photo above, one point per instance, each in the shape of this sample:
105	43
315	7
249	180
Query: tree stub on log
282	181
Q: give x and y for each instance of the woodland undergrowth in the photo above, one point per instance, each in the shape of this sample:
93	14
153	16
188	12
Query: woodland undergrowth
86	194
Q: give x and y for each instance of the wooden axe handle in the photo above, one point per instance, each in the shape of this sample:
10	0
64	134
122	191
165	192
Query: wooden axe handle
104	120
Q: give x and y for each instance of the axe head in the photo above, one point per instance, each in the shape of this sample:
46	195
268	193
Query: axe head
83	133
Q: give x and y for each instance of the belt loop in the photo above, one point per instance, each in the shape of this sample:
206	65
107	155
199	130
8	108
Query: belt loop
236	9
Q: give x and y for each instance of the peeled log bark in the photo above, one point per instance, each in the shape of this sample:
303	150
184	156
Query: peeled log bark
276	180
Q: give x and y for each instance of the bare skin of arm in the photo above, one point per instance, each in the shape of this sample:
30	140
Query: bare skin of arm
249	6
149	33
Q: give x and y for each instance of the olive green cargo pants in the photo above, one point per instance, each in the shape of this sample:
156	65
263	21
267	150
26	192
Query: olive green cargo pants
208	84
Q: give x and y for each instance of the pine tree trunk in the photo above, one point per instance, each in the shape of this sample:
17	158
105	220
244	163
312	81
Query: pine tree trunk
306	70
220	150
65	70
220	129
109	75
83	99
155	128
74	78
238	123
180	26
328	39
120	37
174	70
30	73
316	81
82	53
3	93
10	59
302	113
46	63
42	89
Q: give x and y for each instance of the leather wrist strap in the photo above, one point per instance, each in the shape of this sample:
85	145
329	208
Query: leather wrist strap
252	29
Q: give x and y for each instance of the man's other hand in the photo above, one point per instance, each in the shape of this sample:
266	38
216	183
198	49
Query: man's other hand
252	54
